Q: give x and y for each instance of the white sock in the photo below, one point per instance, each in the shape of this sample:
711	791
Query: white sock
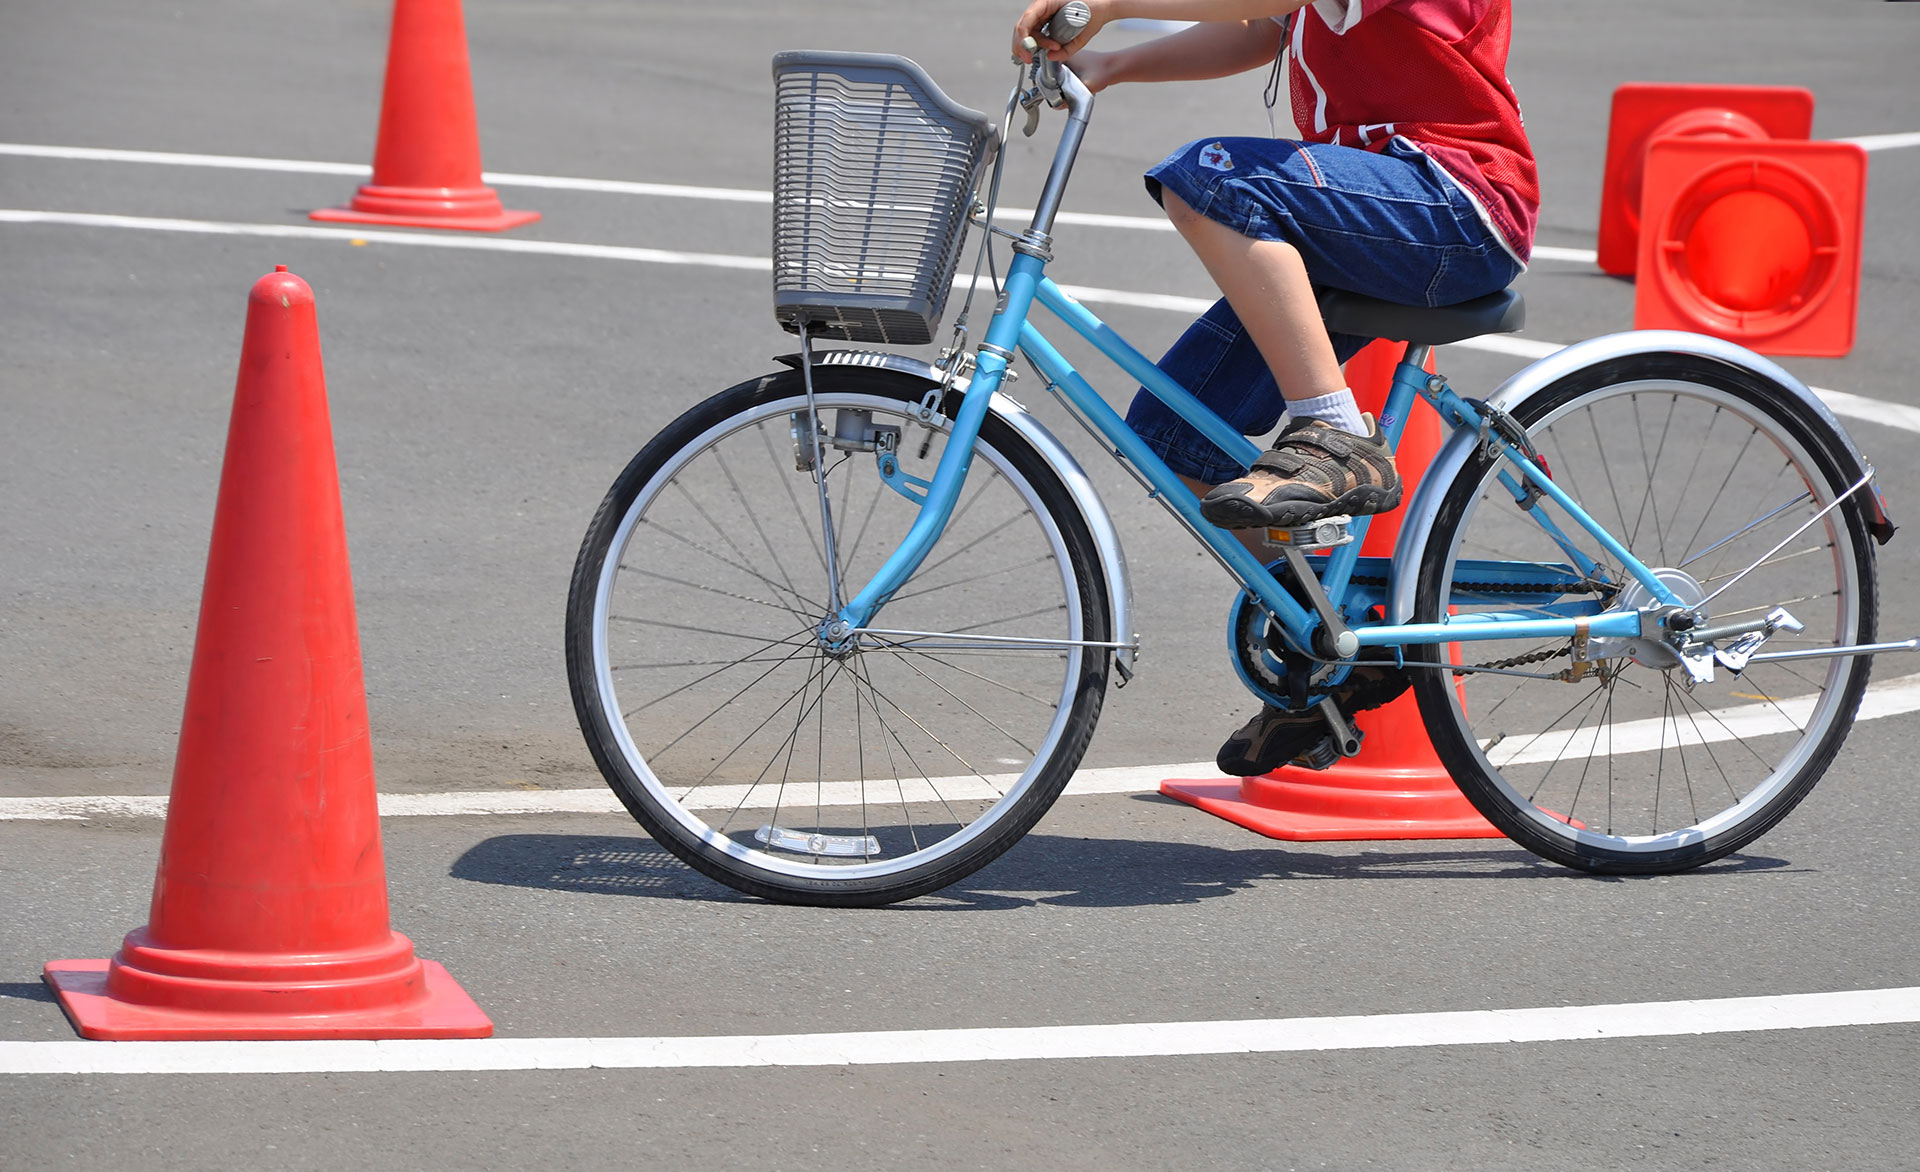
1336	410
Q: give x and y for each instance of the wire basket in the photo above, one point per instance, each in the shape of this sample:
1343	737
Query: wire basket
874	171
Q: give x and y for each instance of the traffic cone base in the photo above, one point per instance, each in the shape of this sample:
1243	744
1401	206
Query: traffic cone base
1397	789
474	209
426	156
435	1007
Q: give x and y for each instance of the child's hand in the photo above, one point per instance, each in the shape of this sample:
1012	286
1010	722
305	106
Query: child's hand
1036	16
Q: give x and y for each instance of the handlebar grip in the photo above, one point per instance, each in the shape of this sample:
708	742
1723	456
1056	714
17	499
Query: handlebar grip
1067	23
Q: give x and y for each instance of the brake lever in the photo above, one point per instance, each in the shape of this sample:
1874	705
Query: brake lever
1030	99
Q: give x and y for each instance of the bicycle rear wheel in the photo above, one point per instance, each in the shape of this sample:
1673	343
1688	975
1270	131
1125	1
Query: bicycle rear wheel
851	775
1702	471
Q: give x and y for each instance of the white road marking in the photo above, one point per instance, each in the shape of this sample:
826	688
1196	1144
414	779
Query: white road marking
1895	415
381	236
1739	722
598	800
1481	1027
1883	142
1571	255
601	186
1870	142
1895	697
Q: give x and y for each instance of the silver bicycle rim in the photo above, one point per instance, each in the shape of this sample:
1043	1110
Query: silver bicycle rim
987	794
1683	757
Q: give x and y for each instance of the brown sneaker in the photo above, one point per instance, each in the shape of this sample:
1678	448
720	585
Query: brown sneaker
1312	471
1276	736
1271	739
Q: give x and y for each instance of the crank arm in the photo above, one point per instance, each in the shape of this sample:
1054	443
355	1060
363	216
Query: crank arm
1344	643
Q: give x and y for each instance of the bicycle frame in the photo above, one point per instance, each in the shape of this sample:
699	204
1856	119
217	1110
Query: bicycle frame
1011	331
1027	284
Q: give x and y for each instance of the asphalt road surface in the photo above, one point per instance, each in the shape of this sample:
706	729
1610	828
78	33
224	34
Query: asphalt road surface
483	400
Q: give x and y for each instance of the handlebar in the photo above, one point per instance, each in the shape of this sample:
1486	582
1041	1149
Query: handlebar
1067	23
1057	87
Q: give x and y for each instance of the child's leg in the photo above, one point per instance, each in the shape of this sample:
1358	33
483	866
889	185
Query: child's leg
1270	219
1330	460
1266	283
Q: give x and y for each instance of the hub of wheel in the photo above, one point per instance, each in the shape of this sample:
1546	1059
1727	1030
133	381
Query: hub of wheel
1651	650
837	638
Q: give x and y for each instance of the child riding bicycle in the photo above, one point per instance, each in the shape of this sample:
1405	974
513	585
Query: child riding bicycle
1413	182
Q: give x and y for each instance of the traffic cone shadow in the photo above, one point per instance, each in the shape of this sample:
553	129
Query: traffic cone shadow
269	914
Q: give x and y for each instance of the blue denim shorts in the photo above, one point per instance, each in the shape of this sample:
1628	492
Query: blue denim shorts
1387	224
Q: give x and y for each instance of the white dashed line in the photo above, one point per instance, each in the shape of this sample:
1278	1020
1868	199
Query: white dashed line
1481	1027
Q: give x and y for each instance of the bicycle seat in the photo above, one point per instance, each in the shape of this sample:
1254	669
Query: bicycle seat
1350	313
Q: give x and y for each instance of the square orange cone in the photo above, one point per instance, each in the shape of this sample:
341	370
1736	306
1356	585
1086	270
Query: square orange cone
1755	242
1646	111
269	913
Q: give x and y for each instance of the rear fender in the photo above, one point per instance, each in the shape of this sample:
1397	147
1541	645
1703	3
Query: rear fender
1422	510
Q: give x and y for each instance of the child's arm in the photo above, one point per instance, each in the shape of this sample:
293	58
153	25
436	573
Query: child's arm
1242	12
1203	51
1230	36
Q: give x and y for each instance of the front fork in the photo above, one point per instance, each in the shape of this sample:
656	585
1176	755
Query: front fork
949	477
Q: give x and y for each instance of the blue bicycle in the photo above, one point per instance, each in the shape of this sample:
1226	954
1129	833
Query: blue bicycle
840	634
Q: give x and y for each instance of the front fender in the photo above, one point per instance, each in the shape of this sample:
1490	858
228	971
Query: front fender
1113	560
1458	448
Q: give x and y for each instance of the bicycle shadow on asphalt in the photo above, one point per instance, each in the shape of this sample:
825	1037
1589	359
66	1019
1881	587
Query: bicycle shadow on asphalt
1060	870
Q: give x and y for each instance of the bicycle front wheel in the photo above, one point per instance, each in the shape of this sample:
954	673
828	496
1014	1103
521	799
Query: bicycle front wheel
804	770
1713	477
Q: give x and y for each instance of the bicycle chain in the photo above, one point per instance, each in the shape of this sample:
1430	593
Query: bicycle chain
1515	661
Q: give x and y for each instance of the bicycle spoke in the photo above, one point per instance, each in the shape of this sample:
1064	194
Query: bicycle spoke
798	650
662	529
894	649
982	577
721	707
907	661
753	517
874	696
802	525
899	783
779	606
1733	467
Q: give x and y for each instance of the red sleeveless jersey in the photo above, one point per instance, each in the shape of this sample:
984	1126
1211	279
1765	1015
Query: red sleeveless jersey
1433	72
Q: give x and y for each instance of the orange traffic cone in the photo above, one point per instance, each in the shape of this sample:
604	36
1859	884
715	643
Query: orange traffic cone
1396	787
1759	243
1644	113
269	913
426	162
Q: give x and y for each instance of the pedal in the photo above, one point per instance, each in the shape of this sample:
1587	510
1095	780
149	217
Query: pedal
1322	756
1342	740
1326	533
